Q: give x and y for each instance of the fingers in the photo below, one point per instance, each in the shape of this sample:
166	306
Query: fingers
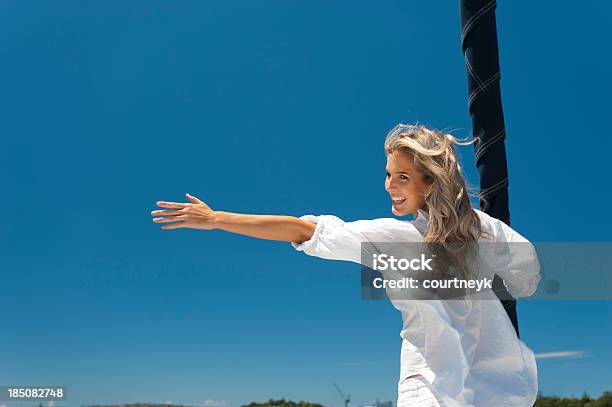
193	199
177	225
170	219
175	205
177	216
166	212
178	222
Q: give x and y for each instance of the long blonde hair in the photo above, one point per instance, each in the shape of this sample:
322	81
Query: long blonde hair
452	219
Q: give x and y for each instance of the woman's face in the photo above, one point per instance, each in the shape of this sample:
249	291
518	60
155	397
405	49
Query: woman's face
405	184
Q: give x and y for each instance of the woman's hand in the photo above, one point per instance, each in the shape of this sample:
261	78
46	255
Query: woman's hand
193	215
198	215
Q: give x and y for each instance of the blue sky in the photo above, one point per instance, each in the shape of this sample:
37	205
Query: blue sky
276	107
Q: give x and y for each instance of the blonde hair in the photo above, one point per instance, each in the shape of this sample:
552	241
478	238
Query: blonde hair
452	219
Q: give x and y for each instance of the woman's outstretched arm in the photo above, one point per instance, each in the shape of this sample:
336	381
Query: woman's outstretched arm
272	227
198	215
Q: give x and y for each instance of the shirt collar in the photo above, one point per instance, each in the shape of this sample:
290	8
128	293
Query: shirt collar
422	215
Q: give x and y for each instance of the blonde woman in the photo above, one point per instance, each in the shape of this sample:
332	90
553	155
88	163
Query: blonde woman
453	353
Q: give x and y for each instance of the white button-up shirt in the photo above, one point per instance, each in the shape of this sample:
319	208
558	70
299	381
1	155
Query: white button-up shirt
466	349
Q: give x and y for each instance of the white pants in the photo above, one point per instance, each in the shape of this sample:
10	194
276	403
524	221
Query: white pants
415	391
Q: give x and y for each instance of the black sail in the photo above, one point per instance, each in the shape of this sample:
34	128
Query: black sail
480	48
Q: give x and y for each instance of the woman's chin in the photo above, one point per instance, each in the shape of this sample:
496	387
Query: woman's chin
399	212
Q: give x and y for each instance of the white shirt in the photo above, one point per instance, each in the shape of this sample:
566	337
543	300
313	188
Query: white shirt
467	349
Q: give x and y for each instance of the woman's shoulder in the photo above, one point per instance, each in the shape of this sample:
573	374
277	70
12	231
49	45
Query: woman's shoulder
500	230
489	225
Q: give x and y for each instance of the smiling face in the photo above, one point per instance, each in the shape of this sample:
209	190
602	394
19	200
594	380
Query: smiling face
404	184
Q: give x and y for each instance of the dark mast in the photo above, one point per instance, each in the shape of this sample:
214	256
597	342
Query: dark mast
480	48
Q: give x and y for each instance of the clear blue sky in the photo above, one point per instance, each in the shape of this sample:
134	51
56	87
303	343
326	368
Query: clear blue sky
276	107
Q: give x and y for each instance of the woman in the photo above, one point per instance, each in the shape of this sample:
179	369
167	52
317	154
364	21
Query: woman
454	352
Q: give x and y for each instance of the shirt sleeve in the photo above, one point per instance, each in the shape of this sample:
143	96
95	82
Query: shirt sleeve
520	270
335	239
